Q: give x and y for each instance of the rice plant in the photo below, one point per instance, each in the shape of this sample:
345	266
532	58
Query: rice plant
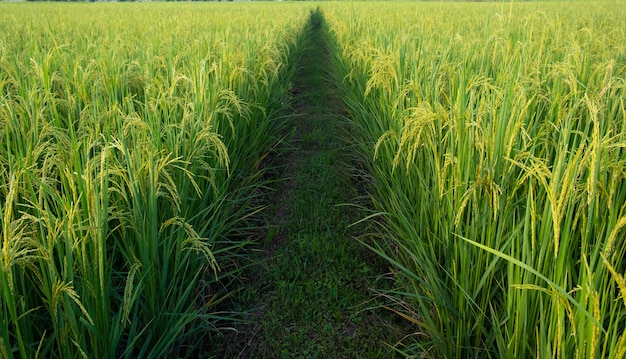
130	143
495	134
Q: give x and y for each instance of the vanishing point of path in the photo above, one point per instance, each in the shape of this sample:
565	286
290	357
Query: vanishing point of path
311	295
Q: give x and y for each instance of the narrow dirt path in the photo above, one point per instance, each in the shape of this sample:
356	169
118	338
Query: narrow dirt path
309	295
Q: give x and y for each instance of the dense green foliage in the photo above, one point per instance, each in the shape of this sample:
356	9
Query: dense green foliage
130	141
131	145
496	138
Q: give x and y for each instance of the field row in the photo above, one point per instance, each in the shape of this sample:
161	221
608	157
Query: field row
131	137
496	138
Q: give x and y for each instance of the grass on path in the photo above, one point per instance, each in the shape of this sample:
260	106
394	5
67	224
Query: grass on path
310	296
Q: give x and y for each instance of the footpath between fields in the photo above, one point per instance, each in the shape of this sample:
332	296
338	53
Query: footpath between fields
310	292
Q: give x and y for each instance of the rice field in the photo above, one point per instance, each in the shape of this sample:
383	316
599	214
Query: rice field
495	135
130	143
